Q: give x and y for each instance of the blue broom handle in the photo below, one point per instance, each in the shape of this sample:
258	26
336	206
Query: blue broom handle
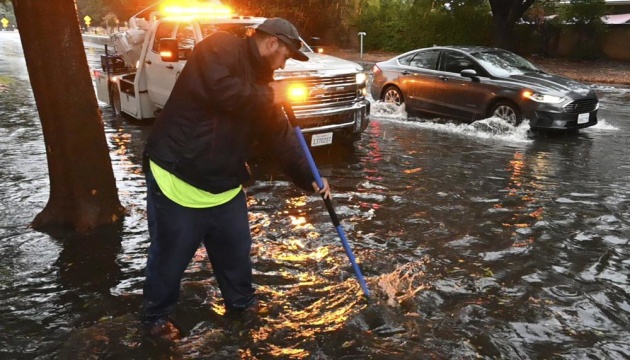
327	201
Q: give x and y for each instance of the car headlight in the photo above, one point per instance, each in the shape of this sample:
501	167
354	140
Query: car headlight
543	98
361	78
297	93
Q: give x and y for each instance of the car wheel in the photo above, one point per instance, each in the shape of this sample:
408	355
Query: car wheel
393	95
508	112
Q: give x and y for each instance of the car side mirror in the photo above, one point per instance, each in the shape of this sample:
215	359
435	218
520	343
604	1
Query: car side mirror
470	73
169	51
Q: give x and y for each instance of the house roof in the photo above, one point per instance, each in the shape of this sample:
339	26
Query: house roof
616	19
617	2
608	2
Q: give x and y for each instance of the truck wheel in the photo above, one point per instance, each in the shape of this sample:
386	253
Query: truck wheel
393	95
507	111
114	100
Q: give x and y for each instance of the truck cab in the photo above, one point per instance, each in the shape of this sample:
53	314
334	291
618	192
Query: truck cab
333	105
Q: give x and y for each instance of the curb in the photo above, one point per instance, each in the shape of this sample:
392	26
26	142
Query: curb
96	39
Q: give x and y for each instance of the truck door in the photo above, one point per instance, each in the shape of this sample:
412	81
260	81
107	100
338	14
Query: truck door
161	76
157	72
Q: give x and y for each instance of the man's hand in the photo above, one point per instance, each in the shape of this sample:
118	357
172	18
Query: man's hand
325	191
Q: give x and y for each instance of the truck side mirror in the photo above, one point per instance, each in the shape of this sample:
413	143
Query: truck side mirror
169	51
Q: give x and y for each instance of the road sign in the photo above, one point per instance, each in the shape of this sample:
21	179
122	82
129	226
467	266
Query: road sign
4	22
87	20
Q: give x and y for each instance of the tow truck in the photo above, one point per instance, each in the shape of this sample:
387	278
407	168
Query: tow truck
328	94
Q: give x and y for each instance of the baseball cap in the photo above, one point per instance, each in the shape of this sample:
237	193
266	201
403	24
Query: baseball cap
287	33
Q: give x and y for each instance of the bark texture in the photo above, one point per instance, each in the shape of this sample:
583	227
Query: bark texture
505	13
83	193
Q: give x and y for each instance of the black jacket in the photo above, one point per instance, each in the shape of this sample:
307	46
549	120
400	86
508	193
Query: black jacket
220	105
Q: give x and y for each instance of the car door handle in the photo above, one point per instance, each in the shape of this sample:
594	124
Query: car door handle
444	78
405	73
148	62
169	66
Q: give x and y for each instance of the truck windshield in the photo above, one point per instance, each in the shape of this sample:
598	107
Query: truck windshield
240	29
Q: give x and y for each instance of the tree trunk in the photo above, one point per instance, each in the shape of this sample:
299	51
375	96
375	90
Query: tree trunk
502	32
505	13
83	192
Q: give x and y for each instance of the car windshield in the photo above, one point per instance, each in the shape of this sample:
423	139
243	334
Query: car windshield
504	63
241	29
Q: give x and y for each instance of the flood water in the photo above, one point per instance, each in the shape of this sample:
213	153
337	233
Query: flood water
476	241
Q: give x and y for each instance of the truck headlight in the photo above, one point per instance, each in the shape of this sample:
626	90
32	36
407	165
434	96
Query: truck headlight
361	78
543	98
297	93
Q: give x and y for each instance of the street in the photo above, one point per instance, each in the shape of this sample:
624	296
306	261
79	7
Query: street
476	241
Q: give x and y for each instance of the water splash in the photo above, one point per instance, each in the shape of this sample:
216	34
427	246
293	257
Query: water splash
388	110
602	124
611	89
490	128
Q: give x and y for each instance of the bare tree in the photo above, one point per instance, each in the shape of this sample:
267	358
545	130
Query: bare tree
83	192
505	13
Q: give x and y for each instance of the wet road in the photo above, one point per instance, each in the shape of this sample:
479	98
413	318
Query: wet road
476	241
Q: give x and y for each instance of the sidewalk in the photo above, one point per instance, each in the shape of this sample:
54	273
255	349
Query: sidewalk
96	39
597	71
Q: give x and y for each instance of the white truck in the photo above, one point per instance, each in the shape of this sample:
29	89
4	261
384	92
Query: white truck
138	78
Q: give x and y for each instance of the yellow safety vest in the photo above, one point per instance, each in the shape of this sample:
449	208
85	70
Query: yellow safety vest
187	195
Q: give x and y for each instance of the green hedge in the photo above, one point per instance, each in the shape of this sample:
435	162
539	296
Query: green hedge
395	25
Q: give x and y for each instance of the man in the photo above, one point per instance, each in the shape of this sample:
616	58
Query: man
195	163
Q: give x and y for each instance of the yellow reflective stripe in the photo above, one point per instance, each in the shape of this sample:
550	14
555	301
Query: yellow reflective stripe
187	195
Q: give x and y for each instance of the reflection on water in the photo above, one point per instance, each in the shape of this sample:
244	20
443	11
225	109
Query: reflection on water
477	241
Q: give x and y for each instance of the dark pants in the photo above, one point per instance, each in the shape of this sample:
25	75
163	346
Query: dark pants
176	232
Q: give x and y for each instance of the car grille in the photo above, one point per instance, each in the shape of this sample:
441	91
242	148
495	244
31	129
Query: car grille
581	106
328	91
311	122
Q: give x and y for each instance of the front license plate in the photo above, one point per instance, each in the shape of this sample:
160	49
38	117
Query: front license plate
583	118
321	139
